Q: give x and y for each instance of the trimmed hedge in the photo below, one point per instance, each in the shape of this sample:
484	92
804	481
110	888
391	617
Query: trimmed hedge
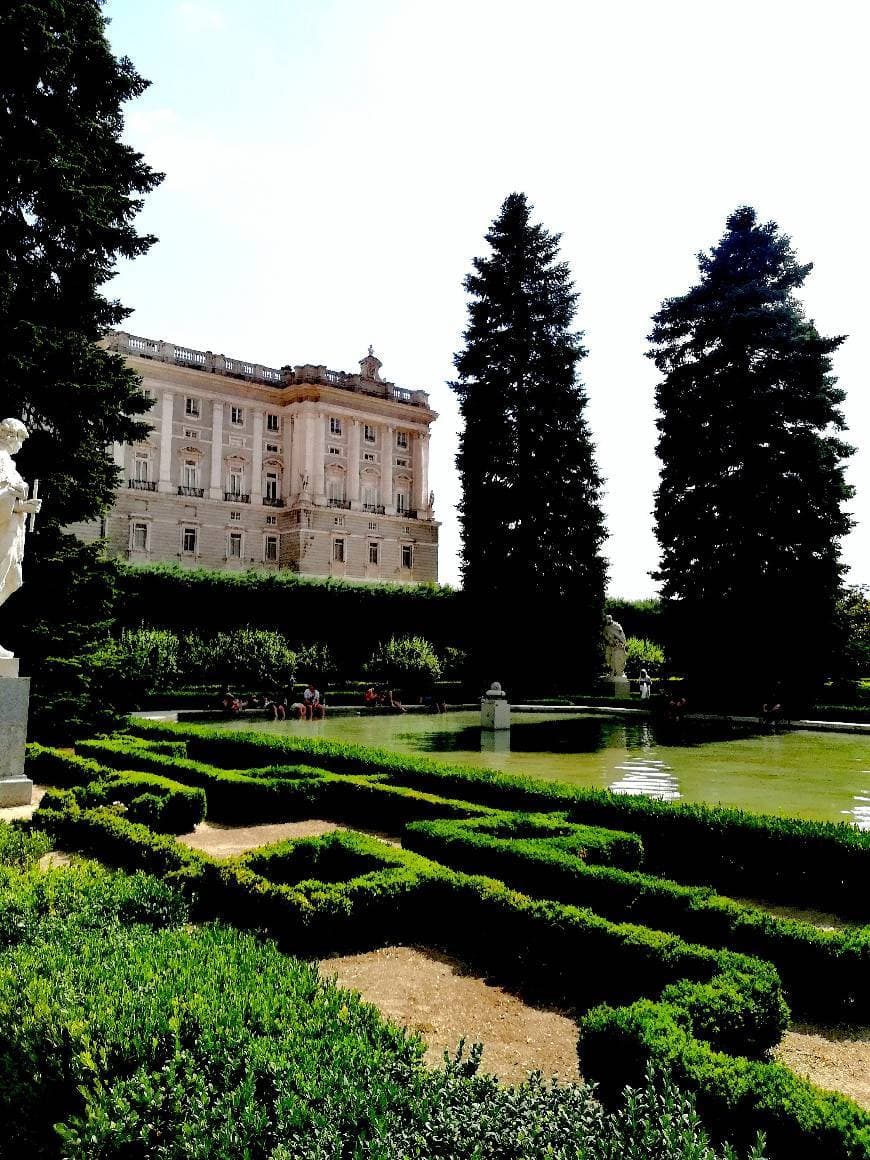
825	973
166	805
696	1002
783	859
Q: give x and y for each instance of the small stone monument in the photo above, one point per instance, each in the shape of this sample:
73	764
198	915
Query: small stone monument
495	710
614	680
15	507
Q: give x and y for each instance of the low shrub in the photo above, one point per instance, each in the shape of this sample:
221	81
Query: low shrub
21	847
409	662
784	859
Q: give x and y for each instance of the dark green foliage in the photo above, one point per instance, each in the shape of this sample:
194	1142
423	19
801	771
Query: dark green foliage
406	662
788	859
750	506
530	511
69	193
824	973
853	628
20	847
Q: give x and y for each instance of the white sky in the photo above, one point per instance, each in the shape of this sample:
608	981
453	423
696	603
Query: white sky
332	166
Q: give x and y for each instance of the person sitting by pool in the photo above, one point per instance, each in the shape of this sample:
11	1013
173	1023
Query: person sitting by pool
230	701
371	700
297	710
391	701
772	713
314	706
275	708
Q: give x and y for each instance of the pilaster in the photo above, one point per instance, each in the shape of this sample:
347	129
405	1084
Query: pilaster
167	402
216	480
257	460
388	455
353	464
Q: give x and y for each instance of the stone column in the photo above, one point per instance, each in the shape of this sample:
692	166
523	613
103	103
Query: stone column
321	422
257	460
419	498
216	479
289	465
118	455
15	788
388	455
164	482
353	464
308	481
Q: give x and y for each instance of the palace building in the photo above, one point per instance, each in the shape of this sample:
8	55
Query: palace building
321	472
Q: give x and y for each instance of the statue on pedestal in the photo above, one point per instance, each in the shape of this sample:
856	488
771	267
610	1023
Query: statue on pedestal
614	648
15	507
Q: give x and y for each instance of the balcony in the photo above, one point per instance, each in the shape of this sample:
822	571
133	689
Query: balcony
339	503
197	492
142	484
407	513
377	508
236	497
273	501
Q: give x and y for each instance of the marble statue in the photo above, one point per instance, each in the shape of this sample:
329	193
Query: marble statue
614	648
15	507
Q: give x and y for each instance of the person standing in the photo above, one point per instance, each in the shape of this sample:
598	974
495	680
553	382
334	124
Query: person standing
645	685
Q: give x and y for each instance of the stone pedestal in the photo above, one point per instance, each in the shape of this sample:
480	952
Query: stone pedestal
495	710
615	686
15	788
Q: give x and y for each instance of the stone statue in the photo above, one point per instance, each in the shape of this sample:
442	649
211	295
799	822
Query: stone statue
431	500
614	648
15	507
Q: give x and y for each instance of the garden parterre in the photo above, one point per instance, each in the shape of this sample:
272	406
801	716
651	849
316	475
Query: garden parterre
694	1006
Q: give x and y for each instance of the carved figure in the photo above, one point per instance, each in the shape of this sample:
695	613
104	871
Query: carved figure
15	507
614	647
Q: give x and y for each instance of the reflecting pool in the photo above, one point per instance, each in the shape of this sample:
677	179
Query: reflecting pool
811	775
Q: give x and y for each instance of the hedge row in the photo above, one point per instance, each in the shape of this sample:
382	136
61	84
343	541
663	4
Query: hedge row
783	859
281	792
696	1003
825	973
161	803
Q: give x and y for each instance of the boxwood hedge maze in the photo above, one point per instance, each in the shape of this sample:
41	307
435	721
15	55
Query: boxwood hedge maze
616	909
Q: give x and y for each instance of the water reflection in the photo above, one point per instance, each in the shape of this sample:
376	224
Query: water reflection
859	814
648	776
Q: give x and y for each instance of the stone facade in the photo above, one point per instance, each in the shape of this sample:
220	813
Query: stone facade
318	471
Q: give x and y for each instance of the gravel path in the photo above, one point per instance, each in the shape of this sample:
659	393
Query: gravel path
432	994
836	1058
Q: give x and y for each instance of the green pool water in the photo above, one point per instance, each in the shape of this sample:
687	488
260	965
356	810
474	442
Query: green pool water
810	775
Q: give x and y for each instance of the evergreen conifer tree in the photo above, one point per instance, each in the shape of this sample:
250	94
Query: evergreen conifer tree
69	192
531	521
749	511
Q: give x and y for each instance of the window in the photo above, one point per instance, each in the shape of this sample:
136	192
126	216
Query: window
234	483
140	538
368	457
335	451
229	365
270	552
235	516
370	498
401	462
142	466
273	423
373	526
188	541
370	434
374	553
335	490
273	447
271	485
401	438
189	473
407	556
190	433
191	407
401	502
237	416
234	546
338	551
334	426
338	521
406	530
271	521
249	370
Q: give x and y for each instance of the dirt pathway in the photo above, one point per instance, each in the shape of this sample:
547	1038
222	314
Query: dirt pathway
431	994
836	1058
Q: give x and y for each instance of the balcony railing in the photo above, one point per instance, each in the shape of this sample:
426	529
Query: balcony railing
407	513
338	503
236	497
273	501
198	492
377	508
142	484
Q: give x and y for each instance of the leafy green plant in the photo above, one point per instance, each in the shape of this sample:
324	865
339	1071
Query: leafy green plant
406	661
641	653
244	656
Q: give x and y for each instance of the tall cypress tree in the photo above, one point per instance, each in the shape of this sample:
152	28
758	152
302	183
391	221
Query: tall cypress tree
530	513
69	192
750	507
